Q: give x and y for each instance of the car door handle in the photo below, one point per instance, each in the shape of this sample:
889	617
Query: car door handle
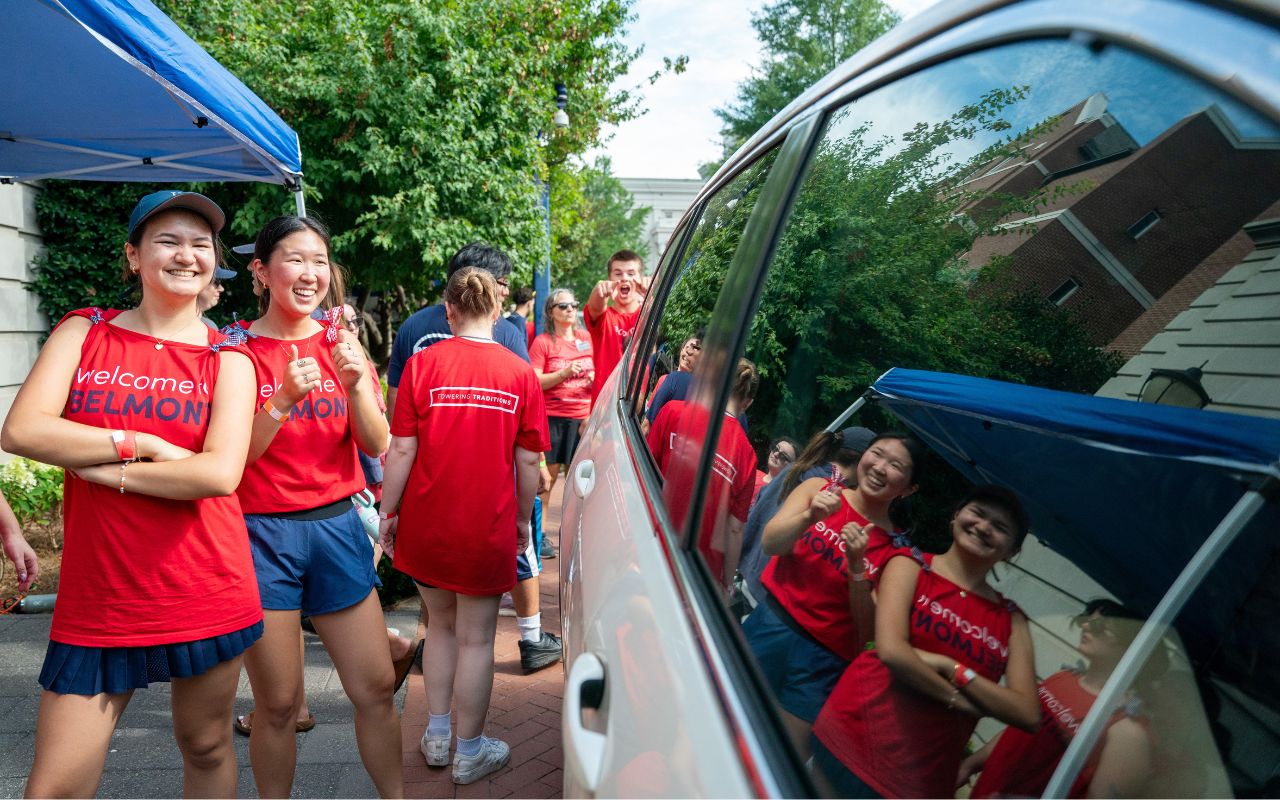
584	477
585	689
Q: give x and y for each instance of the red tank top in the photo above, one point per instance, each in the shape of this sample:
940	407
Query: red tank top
811	583
140	570
1022	763
312	460
901	743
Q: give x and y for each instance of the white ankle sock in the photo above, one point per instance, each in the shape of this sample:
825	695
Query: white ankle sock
470	747
530	627
439	724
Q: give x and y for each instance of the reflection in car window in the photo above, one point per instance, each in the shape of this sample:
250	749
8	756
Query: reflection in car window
675	350
1043	214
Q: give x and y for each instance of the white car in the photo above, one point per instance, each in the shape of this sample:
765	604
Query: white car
1022	231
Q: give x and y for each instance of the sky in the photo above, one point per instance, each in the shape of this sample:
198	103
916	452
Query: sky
680	129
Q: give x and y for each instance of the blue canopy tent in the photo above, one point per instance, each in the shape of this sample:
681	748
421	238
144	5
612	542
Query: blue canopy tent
113	90
1158	504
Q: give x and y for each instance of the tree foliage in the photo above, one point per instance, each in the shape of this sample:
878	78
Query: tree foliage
419	125
802	41
592	217
871	272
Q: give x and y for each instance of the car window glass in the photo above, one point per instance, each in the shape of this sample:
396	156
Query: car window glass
699	275
675	434
1048	215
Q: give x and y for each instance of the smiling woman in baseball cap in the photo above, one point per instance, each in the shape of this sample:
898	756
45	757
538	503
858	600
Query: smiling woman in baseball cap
145	410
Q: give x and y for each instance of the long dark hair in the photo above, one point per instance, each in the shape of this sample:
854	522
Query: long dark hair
823	447
282	227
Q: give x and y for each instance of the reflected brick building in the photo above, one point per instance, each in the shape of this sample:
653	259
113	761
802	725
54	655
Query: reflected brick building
1132	224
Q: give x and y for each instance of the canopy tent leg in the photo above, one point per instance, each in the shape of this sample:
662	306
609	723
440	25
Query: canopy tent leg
1151	636
848	412
299	201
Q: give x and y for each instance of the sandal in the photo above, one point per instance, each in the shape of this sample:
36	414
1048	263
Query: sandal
405	664
243	723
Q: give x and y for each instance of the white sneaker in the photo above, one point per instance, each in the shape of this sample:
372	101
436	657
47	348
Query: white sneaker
436	749
493	756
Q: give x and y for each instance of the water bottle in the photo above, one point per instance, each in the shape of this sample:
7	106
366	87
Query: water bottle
36	604
368	512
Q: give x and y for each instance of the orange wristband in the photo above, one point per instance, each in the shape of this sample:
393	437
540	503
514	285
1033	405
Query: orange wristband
276	414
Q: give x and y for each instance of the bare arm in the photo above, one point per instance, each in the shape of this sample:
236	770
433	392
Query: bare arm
551	379
974	763
16	548
803	507
526	490
861	604
1016	702
213	472
599	298
369	427
395	476
293	387
35	427
1125	764
893	619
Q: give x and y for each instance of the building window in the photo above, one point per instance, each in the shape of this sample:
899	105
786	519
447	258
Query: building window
1148	221
1068	288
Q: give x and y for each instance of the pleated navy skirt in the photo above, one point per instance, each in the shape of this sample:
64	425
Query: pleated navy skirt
72	669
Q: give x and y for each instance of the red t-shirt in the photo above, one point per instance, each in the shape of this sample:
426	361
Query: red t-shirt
312	460
570	398
1022	763
812	581
675	439
140	570
899	742
470	403
760	484
609	334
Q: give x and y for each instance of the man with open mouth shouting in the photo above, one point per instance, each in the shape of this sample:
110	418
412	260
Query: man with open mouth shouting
612	312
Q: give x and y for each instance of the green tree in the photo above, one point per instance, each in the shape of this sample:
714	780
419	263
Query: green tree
592	217
872	272
418	122
802	41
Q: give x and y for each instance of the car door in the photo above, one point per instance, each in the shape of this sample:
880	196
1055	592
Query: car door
631	650
1058	195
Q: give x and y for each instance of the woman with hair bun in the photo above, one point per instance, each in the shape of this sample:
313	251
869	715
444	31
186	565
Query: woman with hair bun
468	431
317	407
148	411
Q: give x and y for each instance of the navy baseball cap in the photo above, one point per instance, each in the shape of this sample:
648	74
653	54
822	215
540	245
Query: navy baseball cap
856	439
171	198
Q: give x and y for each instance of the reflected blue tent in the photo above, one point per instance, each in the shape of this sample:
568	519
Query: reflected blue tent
113	90
1128	491
1175	511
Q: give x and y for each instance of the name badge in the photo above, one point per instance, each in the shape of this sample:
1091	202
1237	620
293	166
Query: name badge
582	345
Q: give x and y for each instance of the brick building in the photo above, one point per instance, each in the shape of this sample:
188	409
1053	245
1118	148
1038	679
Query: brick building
1122	226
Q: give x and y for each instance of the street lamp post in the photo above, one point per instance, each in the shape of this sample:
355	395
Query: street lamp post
542	277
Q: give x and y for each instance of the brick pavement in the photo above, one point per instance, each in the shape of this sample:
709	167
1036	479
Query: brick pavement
524	711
